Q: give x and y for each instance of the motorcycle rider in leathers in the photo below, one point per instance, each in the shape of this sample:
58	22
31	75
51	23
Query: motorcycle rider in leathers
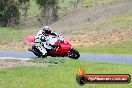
45	39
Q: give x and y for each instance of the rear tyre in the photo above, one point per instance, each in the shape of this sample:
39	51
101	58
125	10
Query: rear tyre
74	54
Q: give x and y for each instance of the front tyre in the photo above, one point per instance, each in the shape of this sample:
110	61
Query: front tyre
74	54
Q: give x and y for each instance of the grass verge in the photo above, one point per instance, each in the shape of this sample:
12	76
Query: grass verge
118	48
9	35
60	76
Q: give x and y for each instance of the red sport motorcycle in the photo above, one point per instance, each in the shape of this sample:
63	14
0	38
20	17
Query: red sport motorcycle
64	49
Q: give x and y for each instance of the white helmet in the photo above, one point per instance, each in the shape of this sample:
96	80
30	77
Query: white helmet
46	30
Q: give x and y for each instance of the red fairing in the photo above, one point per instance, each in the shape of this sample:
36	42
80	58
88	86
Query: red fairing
64	47
67	41
30	39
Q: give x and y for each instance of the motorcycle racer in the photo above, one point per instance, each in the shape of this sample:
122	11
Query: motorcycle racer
42	43
45	39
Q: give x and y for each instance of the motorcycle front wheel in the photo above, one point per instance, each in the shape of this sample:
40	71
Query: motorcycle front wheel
74	54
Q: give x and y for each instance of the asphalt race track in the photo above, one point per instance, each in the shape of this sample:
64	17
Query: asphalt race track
110	58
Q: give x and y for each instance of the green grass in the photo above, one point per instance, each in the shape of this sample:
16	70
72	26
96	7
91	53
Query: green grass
8	35
63	4
33	9
118	48
120	22
124	20
53	60
94	2
60	76
69	3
